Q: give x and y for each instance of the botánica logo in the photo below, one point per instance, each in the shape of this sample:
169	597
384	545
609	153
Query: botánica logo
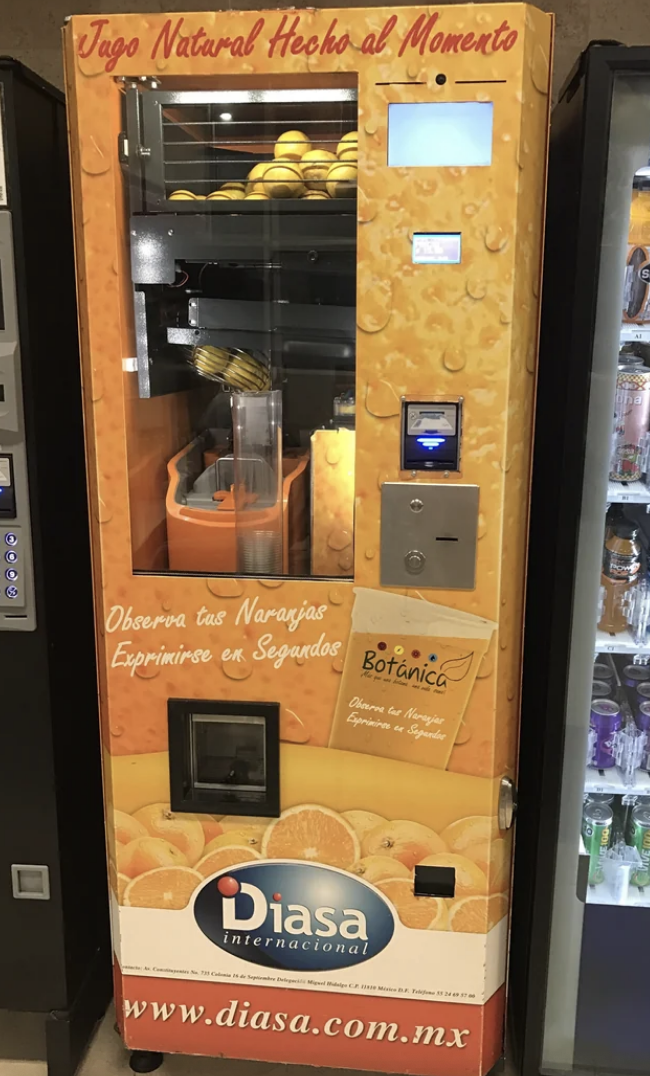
295	916
407	669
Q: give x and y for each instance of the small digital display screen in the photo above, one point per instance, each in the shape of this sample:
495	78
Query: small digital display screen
442	134
430	436
436	248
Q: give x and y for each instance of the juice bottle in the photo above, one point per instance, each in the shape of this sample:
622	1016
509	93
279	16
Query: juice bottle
636	303
631	419
620	574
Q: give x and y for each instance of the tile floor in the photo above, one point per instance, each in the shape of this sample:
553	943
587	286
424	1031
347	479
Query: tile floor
22	1050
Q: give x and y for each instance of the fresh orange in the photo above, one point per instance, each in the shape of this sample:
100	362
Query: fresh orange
363	821
147	853
477	915
418	913
374	868
494	861
475	829
112	876
239	821
165	887
470	879
408	842
220	858
118	882
292	145
182	830
211	826
243	838
126	828
313	833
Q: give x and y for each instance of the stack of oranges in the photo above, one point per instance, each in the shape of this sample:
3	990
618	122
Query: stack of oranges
296	171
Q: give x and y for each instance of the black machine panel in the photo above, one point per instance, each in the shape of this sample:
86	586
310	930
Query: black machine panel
53	909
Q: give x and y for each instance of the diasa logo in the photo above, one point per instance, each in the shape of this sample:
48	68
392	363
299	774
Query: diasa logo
296	916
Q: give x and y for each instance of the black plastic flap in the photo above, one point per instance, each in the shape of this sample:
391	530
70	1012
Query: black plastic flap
434	881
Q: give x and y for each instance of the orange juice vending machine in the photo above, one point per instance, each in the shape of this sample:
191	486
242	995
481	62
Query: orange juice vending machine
308	248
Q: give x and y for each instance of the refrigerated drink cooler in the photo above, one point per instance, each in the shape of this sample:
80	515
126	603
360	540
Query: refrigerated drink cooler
55	953
308	251
582	876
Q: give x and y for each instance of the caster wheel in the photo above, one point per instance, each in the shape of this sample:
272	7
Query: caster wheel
145	1061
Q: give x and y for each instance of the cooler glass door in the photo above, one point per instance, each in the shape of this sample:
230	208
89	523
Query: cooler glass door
596	876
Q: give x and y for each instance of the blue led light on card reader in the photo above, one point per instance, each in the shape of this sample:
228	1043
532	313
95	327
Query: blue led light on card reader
431	442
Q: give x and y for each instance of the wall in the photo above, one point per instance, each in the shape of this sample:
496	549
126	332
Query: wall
30	28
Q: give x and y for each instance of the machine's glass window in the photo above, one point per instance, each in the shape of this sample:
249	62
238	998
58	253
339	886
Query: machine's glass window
228	753
436	248
242	232
440	134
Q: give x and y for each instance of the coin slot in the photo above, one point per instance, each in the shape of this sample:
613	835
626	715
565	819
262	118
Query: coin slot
441	539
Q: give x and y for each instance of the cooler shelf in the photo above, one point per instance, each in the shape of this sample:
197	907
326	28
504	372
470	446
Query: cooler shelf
628	493
611	781
601	894
622	643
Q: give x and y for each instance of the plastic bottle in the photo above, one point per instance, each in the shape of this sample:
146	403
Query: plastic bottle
636	303
620	574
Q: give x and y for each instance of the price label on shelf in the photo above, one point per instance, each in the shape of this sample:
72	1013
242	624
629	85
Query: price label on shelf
635	334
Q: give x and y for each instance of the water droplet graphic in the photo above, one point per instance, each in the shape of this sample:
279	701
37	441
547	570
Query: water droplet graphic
225	588
463	734
476	289
292	729
381	399
453	359
236	670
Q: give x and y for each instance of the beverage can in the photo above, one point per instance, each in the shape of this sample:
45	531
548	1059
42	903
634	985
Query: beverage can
633	675
597	821
600	689
642	694
601	797
631	418
639	837
605	719
603	672
642	722
642	716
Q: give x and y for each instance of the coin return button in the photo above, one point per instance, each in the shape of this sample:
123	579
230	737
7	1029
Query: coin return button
415	561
